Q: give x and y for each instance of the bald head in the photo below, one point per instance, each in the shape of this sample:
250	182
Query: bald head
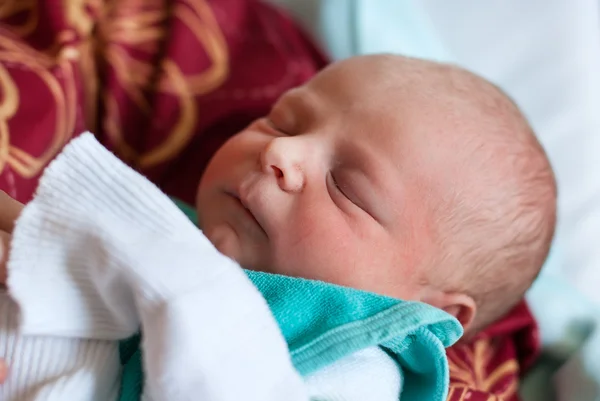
497	233
490	190
494	223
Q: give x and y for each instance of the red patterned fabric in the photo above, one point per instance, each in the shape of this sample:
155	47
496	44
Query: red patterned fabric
489	368
163	84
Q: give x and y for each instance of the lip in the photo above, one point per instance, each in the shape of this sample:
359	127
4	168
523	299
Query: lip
247	208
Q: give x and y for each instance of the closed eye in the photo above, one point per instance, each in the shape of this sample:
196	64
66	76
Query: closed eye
342	191
272	125
348	194
337	186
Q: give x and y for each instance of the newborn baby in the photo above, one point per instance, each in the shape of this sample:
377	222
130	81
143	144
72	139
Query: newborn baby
400	176
406	178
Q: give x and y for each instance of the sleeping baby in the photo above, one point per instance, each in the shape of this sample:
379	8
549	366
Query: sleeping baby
409	179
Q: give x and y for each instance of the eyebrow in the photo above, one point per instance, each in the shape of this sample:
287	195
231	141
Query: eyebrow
305	101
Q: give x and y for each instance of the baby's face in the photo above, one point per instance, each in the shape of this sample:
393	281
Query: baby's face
332	185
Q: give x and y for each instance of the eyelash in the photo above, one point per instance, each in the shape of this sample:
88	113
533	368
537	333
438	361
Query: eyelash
339	189
335	183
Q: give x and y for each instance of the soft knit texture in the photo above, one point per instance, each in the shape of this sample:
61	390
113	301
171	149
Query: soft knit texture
99	253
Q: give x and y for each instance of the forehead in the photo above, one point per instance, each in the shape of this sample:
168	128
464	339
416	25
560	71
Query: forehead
422	136
348	81
367	105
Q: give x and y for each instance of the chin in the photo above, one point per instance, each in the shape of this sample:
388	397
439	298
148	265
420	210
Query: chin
226	241
257	267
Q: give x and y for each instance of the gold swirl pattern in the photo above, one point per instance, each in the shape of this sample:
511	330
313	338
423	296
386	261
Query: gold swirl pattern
29	9
126	31
63	92
130	30
472	370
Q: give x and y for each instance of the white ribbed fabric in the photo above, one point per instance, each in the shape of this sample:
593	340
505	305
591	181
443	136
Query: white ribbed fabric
55	368
99	252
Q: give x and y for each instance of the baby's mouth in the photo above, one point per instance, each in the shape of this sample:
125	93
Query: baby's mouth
248	210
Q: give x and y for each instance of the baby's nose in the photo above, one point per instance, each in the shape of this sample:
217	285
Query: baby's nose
283	159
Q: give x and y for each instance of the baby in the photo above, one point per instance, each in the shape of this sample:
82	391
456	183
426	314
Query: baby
399	176
402	177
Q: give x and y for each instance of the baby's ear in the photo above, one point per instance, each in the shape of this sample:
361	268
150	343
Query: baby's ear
459	305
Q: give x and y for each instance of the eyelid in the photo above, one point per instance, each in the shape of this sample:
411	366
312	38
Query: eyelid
339	188
275	127
355	202
335	183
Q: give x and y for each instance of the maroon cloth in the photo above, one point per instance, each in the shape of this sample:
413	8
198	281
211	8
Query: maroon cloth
222	65
163	84
489	367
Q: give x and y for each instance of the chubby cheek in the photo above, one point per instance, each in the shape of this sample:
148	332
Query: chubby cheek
323	246
315	248
232	153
